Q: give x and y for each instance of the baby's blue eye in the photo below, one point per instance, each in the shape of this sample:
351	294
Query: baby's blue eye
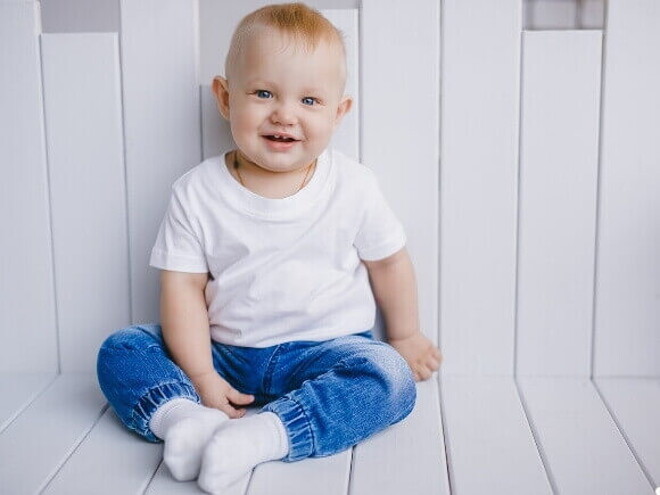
308	100
262	93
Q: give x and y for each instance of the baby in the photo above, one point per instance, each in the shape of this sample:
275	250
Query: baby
273	257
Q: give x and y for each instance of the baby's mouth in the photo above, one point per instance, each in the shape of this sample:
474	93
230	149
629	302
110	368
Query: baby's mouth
280	138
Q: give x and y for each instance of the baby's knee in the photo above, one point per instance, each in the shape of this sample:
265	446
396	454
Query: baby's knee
392	372
131	339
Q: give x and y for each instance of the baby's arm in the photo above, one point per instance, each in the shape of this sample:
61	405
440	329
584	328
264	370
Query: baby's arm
395	290
184	318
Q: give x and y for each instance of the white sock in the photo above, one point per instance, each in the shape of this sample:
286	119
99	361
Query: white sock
186	427
238	446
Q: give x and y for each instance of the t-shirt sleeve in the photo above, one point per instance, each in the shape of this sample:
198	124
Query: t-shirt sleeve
381	233
177	246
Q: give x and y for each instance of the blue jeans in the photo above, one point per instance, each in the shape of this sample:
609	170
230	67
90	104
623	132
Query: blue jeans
329	395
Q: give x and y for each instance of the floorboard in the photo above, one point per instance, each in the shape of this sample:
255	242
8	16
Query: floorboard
164	484
584	451
110	460
408	457
36	444
635	405
323	476
490	445
18	390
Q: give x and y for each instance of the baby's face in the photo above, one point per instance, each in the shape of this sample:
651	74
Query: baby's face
284	100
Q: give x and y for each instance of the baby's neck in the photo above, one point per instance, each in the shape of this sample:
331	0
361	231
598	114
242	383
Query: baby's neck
266	183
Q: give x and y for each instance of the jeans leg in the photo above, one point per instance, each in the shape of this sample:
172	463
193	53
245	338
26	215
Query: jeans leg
345	390
137	376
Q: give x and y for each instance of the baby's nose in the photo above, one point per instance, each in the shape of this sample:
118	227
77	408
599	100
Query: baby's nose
284	114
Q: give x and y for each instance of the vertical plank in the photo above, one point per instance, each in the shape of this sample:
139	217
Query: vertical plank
27	302
216	134
85	152
628	281
347	136
478	184
162	124
558	188
400	127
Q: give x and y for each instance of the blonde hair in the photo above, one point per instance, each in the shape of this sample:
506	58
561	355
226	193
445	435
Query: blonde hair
296	20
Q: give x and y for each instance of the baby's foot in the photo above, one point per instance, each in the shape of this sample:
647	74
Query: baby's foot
238	446
185	442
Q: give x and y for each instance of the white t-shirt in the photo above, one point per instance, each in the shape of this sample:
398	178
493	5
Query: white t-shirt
280	269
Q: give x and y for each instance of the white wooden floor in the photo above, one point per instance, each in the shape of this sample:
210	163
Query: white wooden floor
466	436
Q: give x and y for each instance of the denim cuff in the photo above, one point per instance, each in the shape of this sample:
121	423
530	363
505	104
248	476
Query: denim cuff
298	427
152	400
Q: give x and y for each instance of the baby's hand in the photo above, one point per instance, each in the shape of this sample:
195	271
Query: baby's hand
422	356
216	392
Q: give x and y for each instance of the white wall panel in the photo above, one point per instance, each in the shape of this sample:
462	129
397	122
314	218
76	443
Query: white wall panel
627	337
88	194
27	301
347	135
400	98
478	183
557	209
162	124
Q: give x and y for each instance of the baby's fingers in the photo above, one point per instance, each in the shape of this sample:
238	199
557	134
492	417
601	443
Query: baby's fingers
422	372
231	411
433	363
239	398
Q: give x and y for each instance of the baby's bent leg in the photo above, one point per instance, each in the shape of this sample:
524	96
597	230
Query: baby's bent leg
361	387
154	398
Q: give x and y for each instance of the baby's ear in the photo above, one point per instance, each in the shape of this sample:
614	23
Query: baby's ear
343	108
220	89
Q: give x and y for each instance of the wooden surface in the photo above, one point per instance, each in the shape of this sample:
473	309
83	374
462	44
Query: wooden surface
27	298
628	283
382	464
18	390
634	405
158	43
480	224
557	201
400	127
88	192
478	184
583	449
541	435
88	451
491	447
